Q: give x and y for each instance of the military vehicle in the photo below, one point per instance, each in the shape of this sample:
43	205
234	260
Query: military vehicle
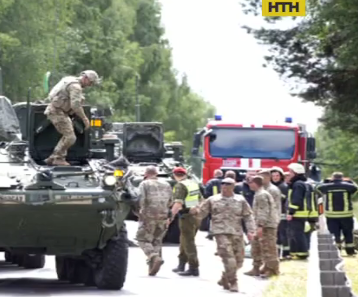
143	145
75	213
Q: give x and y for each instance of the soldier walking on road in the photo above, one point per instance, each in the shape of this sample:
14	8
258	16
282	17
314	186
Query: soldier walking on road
277	177
67	98
155	200
186	195
213	187
263	247
227	211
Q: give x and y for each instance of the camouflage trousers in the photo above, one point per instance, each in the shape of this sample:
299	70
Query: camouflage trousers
150	235
231	250
263	250
63	125
188	226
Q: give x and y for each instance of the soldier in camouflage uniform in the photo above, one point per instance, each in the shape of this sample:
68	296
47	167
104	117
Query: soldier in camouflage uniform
227	212
155	200
263	247
186	195
66	98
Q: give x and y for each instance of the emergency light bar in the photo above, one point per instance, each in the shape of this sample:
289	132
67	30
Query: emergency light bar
288	120
218	117
96	123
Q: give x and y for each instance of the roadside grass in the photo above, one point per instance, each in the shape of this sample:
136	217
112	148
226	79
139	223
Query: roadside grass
291	282
350	263
293	278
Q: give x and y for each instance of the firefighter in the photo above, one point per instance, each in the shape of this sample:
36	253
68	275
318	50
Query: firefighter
298	211
339	209
313	214
277	178
212	188
243	188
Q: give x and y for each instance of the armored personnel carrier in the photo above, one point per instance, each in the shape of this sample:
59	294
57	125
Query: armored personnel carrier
75	213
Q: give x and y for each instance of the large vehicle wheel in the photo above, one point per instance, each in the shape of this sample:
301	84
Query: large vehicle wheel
8	257
18	260
173	233
33	261
111	272
87	274
73	270
61	268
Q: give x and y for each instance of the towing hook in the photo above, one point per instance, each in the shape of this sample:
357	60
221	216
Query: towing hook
108	218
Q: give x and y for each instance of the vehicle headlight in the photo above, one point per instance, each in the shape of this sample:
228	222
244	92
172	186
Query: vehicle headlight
110	180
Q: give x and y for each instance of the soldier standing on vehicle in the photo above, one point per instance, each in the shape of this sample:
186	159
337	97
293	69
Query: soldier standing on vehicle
277	179
339	209
186	195
66	98
155	200
263	247
227	210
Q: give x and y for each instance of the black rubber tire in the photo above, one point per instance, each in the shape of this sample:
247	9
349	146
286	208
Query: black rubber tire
14	259
19	260
73	270
8	257
173	233
61	268
87	273
33	261
111	273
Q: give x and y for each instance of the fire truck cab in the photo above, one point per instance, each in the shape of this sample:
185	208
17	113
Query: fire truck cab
242	147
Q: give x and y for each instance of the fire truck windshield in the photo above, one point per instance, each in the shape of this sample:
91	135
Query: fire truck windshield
252	143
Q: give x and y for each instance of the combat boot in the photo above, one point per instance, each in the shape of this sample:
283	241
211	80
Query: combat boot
234	287
49	161
255	271
270	272
190	272
155	264
224	282
60	162
263	269
180	268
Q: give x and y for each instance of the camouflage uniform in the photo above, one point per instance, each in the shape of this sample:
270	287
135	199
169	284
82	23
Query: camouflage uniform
188	225
155	199
277	197
263	249
66	98
227	214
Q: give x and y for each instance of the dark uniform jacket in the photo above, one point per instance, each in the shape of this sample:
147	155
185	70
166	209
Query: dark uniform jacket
299	197
243	189
213	187
339	198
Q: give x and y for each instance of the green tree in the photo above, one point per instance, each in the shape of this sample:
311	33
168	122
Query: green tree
337	151
318	53
122	40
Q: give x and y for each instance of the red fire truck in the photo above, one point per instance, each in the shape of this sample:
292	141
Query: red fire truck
240	147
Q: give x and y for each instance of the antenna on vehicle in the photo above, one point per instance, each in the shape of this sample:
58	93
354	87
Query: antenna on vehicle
28	114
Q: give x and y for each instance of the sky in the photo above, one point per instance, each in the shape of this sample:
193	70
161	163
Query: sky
224	63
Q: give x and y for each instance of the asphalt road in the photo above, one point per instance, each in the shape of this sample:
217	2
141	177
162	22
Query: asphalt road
16	281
